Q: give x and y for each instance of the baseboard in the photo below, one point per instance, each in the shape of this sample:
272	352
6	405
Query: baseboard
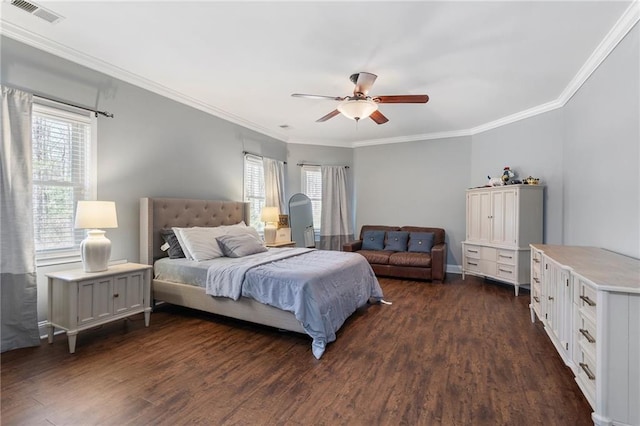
454	269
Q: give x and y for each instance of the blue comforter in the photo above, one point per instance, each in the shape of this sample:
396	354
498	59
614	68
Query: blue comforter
321	288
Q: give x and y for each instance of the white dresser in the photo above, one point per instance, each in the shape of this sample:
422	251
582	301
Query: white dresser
501	223
589	302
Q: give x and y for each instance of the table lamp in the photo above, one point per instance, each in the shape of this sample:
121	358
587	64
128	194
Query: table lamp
270	216
96	248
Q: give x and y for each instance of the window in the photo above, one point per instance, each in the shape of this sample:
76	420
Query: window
63	173
254	192
312	188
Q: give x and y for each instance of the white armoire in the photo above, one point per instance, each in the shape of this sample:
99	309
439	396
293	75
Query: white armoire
501	223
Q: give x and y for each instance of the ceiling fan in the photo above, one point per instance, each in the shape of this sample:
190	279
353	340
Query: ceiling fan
361	105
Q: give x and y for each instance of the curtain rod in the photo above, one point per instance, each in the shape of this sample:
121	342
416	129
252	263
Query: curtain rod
95	111
315	165
258	155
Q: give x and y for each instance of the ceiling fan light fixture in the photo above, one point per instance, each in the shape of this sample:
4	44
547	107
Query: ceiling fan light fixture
357	109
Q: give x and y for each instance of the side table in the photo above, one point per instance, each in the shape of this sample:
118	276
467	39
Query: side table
80	300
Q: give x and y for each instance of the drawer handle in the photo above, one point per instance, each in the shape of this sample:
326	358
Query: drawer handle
587	335
505	270
588	371
116	295
550	297
536	298
471	263
505	256
588	301
472	251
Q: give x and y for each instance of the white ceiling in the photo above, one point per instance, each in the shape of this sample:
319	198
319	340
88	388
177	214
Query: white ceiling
481	63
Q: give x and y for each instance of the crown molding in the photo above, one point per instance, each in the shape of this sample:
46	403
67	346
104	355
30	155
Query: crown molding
625	23
27	37
621	28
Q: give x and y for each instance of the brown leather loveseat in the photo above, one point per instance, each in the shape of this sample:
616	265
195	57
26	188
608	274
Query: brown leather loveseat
403	252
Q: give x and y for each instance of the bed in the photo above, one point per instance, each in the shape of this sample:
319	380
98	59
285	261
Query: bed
158	214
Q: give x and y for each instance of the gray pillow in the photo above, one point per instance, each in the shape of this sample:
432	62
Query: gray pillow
240	245
169	237
397	240
421	242
373	240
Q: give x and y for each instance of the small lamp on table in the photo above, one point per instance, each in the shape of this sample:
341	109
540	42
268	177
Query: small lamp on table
270	216
96	248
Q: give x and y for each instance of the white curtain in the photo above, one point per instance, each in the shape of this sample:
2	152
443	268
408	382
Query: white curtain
336	227
17	251
274	184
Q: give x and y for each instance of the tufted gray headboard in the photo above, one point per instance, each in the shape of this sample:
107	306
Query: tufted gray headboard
160	213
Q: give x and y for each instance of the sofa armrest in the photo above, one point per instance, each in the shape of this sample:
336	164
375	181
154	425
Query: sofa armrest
352	246
439	262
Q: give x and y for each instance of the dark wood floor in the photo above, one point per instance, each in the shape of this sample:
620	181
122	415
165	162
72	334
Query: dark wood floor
459	353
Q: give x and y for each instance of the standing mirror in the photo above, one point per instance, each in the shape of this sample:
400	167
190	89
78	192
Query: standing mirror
301	221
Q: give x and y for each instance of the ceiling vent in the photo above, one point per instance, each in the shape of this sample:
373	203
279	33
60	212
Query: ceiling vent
37	10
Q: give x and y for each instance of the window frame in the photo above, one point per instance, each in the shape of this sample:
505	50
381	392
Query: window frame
254	212
316	202
54	110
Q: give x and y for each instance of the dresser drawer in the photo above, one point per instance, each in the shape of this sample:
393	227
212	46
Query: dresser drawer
536	297
585	374
585	298
507	257
585	331
506	272
472	265
472	252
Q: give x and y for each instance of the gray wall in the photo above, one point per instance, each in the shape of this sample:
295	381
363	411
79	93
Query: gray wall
314	154
601	167
531	147
415	183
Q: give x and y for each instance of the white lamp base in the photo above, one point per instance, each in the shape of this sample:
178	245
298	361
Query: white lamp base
270	234
95	251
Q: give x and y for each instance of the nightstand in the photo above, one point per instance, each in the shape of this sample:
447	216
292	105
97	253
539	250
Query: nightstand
283	244
80	300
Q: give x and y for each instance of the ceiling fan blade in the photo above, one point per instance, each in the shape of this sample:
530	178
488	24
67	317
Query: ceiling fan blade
302	95
402	99
364	82
328	116
378	117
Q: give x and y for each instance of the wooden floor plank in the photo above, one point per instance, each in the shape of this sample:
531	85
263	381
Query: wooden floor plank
462	352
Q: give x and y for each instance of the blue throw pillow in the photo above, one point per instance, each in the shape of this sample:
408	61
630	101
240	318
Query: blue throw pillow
373	240
421	242
397	240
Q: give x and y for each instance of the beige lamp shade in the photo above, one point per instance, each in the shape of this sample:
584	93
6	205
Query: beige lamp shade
270	214
96	215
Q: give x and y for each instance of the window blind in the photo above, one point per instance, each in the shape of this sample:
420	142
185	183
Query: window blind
254	192
61	152
312	188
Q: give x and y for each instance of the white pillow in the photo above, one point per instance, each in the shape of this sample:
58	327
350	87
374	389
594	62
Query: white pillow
241	229
183	246
200	242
